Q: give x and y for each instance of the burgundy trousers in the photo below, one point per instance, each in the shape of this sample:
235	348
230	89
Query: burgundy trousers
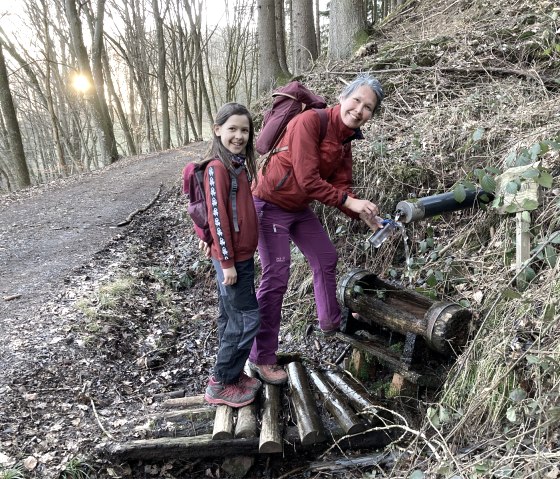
276	228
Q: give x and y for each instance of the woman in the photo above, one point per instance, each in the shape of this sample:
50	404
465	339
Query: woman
308	170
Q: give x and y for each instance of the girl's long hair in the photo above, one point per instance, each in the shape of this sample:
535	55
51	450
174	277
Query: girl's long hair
218	150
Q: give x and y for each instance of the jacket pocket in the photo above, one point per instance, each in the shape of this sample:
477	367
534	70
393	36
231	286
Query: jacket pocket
282	181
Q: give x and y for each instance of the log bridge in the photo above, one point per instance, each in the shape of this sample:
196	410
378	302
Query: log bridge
316	409
405	331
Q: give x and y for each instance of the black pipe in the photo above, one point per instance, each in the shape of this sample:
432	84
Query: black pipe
420	208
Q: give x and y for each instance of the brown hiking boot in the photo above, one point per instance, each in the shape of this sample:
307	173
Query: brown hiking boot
270	373
232	395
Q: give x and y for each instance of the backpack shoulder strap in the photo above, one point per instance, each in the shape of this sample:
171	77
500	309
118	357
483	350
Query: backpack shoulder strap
324	119
233	195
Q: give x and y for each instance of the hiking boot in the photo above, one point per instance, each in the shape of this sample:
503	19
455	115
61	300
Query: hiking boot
248	382
233	395
270	373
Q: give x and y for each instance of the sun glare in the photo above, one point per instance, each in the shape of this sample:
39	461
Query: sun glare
81	83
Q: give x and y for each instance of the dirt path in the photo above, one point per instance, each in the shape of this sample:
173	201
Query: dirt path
46	232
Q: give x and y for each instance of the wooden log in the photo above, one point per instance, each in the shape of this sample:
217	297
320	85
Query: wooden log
246	425
183	401
270	438
343	414
392	361
443	325
358	396
309	422
223	423
205	446
184	422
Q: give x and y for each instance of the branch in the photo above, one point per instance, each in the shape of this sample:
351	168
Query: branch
141	210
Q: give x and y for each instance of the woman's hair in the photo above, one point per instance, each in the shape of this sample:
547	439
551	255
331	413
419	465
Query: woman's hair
218	150
365	79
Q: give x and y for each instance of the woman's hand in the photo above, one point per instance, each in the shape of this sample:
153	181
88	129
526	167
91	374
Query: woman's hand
230	276
361	206
374	222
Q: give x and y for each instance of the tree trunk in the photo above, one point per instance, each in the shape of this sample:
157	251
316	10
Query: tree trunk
270	70
96	98
162	82
347	29
14	134
281	36
304	42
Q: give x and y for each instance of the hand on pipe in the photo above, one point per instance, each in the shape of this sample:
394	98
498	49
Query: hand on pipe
230	276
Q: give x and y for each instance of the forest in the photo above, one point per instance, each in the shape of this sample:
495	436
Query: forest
472	102
85	83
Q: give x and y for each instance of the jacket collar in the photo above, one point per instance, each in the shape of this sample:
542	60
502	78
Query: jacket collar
345	134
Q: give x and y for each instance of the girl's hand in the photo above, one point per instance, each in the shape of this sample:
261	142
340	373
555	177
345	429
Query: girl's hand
230	276
361	206
204	248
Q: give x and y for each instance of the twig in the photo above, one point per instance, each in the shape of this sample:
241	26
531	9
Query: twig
107	433
141	210
13	296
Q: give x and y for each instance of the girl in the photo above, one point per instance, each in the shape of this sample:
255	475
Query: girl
233	224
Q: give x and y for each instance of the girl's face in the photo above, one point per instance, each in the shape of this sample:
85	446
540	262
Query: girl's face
234	133
358	107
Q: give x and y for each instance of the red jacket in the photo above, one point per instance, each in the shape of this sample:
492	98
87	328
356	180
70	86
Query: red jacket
229	246
310	170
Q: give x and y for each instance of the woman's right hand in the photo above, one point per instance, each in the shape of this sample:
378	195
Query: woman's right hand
374	222
361	206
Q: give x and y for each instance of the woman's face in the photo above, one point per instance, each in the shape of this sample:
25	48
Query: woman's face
358	107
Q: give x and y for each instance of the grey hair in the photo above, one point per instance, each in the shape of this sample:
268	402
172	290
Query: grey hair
365	79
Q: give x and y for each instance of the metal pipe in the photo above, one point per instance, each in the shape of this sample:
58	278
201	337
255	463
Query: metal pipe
420	208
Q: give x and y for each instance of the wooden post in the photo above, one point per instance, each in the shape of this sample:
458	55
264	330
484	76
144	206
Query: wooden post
522	246
309	422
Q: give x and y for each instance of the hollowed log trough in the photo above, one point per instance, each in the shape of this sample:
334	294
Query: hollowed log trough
430	332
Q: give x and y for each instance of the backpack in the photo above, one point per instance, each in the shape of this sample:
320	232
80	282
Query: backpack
289	101
193	187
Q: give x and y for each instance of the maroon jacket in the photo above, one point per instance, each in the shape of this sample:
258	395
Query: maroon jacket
229	246
309	170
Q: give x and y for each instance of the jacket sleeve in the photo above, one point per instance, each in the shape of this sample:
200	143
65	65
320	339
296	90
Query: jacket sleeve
217	184
304	151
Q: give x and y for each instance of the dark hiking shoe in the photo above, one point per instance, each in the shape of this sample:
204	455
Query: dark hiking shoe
270	373
232	395
249	382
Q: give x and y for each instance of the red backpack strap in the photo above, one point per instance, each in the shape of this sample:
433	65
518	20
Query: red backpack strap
324	119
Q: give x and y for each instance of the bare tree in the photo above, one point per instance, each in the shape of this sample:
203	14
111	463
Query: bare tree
161	76
281	36
21	171
304	41
270	70
347	28
97	96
